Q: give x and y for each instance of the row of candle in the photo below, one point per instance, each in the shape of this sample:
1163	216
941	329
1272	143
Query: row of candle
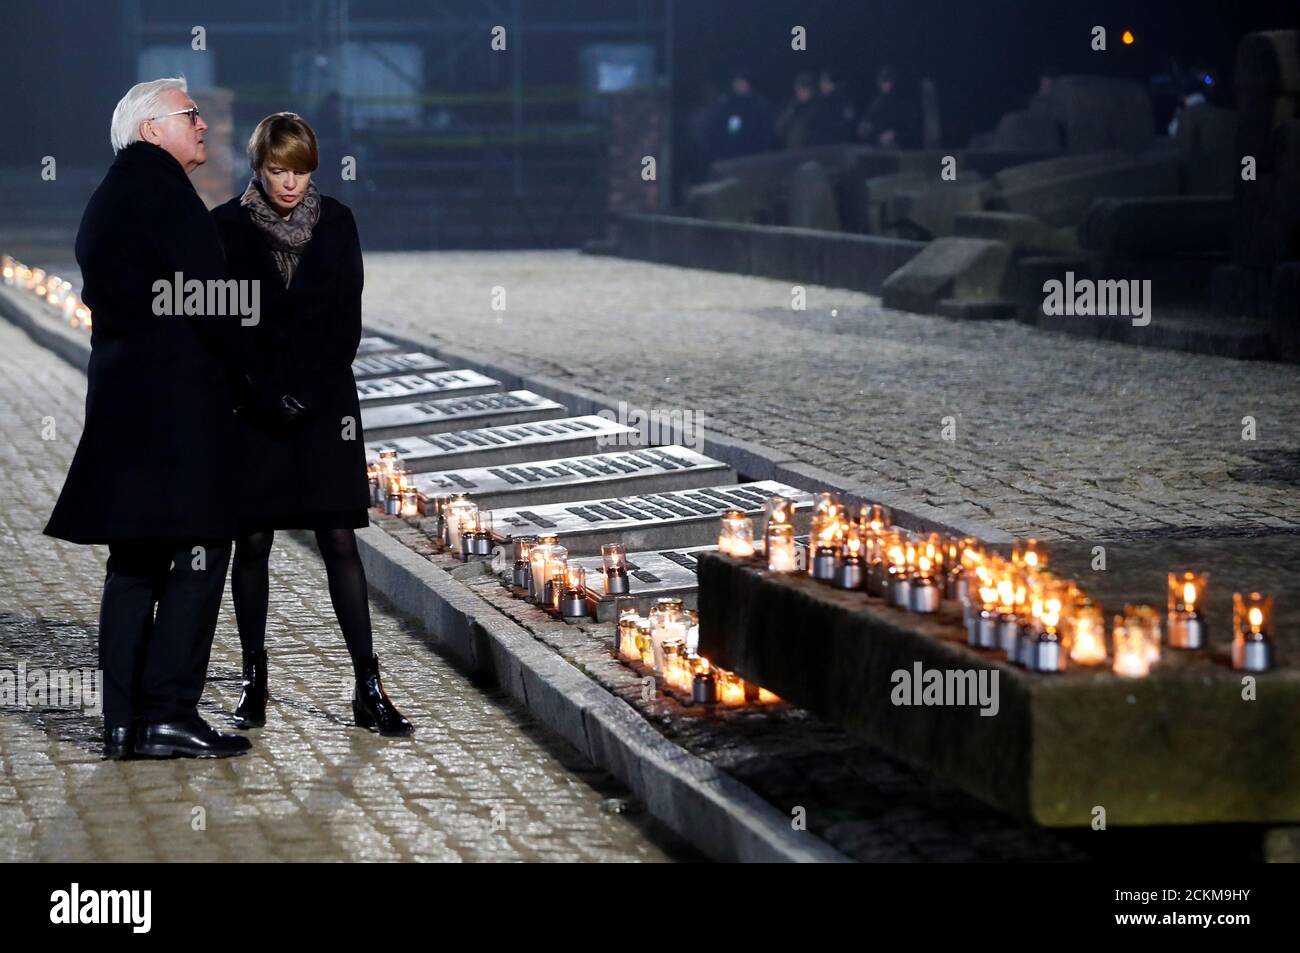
1016	605
666	642
52	289
391	488
544	576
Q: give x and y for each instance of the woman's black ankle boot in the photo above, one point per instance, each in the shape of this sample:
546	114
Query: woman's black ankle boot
371	706
251	710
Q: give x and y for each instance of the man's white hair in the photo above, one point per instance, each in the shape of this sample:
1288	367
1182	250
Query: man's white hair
142	101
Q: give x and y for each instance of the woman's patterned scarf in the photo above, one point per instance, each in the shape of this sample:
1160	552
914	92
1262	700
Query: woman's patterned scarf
287	236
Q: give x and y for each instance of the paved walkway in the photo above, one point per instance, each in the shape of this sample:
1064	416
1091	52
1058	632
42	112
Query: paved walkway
479	781
1055	436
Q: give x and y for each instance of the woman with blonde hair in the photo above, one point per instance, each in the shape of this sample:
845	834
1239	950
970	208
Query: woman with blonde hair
303	458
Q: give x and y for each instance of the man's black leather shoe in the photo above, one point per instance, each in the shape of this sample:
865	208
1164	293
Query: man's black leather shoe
188	738
118	742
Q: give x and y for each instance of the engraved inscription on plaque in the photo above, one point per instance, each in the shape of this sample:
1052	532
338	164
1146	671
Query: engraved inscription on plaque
456	413
654	573
671	519
507	444
392	365
411	387
579	478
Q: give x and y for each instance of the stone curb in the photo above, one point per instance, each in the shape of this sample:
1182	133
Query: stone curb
723	818
718	814
67	342
751	459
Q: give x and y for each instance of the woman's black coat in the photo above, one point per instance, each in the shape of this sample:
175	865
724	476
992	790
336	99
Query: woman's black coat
154	457
308	475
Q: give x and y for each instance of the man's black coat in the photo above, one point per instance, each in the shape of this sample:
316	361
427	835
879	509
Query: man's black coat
155	460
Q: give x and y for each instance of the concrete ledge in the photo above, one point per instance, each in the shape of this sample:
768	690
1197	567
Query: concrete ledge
721	816
1181	746
799	255
71	344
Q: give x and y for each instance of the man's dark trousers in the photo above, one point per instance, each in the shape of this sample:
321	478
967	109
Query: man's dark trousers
156	623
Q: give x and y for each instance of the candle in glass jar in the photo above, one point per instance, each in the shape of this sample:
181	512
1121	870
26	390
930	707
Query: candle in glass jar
1131	658
780	548
1087	635
736	535
1252	632
1184	620
613	558
731	688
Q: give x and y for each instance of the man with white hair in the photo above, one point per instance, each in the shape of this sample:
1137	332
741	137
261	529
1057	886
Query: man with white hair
152	473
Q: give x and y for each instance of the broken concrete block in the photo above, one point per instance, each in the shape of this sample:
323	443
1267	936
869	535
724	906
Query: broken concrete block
810	199
1159	227
1060	167
878	191
964	269
1267	80
1066	201
728	200
929	213
1024	131
1207	140
1101	112
1028	275
1024	233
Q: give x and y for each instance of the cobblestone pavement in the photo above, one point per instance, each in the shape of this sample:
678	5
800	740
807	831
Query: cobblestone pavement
1055	436
479	781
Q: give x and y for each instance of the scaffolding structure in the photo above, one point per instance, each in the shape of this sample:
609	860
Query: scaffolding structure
490	149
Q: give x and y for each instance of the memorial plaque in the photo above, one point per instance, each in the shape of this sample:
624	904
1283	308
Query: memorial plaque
669	520
393	365
456	413
652	574
371	344
512	444
408	388
623	472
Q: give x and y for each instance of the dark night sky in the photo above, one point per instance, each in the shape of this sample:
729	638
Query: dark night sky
64	59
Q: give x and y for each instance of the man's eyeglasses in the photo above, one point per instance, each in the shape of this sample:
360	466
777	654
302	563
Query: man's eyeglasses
192	112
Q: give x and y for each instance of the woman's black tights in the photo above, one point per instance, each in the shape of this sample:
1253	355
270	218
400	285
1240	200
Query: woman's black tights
250	586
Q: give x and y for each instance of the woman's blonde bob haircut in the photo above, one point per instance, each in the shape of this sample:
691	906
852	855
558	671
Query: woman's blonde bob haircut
284	140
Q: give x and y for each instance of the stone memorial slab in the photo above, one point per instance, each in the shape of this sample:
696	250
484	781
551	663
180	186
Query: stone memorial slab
406	388
652	575
512	444
395	364
666	520
456	413
638	470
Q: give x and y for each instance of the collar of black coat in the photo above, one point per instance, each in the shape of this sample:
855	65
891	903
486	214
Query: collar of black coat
141	154
236	214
